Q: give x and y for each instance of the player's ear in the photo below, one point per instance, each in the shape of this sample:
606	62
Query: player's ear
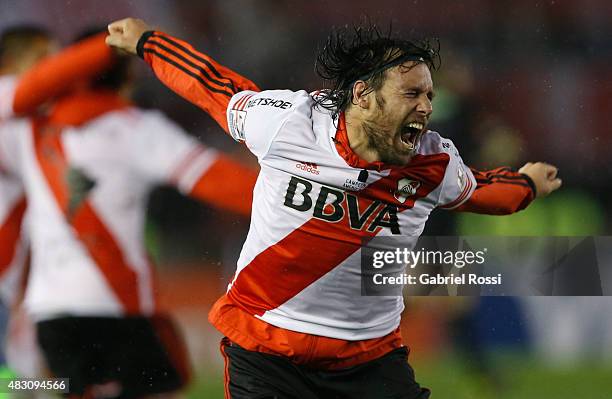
360	95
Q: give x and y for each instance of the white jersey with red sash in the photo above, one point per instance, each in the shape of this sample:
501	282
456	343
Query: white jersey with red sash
87	187
313	205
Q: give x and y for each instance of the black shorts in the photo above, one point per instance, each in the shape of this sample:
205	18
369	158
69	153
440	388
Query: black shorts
255	375
133	355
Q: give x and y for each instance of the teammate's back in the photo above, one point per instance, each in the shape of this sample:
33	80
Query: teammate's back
112	162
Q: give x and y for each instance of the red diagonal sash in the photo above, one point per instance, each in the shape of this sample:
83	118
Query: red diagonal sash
87	226
310	251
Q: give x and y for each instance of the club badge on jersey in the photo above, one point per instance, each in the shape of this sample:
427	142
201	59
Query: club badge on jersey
406	188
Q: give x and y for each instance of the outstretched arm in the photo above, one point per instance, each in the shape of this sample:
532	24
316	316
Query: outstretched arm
227	185
161	152
503	191
191	74
57	74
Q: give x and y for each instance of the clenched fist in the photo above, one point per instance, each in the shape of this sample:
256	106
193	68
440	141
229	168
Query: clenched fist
544	177
125	33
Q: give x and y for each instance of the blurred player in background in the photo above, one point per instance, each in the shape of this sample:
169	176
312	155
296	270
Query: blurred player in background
337	167
20	48
87	168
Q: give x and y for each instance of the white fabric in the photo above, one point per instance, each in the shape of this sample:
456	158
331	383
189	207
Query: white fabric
8	84
11	192
293	138
125	153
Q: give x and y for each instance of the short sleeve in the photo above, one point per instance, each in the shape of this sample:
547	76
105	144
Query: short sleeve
7	94
255	118
459	182
164	153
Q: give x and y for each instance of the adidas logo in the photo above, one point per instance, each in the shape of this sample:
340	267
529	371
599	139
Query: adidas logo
309	167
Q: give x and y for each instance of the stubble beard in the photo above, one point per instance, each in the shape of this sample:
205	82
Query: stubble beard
381	138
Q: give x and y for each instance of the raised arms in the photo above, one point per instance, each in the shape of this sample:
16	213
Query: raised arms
191	74
503	191
57	74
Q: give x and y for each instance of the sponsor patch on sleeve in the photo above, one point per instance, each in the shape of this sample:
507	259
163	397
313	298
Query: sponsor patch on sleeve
237	117
269	102
236	122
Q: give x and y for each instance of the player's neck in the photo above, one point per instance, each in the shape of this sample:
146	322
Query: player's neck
358	139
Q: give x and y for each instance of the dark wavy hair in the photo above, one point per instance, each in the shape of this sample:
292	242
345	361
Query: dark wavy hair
365	53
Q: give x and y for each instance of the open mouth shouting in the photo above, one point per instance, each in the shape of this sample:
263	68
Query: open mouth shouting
411	134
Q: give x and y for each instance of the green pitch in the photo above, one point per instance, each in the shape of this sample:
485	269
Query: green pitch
516	377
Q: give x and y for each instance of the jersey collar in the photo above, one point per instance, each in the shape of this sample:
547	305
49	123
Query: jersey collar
346	152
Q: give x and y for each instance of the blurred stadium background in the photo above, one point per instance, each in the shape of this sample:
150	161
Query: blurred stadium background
520	80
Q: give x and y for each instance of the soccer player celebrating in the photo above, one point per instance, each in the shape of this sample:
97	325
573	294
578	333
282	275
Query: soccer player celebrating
87	168
337	166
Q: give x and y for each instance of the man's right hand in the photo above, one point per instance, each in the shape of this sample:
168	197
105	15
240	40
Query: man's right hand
125	33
